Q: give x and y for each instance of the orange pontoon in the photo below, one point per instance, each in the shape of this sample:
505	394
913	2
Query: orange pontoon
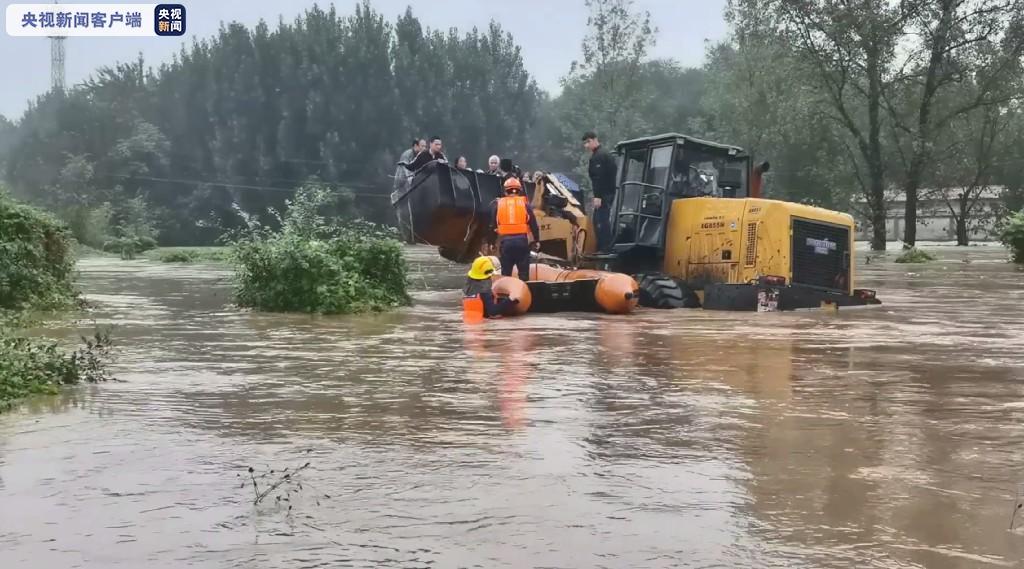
551	289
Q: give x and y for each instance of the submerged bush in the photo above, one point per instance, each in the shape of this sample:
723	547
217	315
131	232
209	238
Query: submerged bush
129	246
178	257
36	270
29	366
915	255
196	255
313	265
1012	235
36	259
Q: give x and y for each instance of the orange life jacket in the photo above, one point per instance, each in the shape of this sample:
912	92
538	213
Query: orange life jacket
513	216
473	305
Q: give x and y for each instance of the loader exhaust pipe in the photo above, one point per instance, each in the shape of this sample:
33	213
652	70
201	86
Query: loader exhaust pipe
757	179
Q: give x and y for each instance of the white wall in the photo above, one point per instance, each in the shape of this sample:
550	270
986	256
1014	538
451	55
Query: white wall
933	224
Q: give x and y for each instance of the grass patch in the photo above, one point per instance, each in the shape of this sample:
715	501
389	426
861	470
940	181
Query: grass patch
915	255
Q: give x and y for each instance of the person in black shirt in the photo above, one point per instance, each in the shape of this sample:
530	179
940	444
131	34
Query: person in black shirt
432	153
602	172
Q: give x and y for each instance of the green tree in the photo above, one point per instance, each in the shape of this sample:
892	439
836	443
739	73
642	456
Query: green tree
881	69
604	91
757	98
1008	167
975	45
966	172
7	137
849	48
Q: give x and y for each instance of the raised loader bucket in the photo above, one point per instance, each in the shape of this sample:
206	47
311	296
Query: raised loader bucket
448	208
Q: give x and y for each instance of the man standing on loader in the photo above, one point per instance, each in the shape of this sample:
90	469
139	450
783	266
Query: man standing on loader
513	221
602	172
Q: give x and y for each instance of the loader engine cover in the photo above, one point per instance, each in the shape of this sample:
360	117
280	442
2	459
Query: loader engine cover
738	241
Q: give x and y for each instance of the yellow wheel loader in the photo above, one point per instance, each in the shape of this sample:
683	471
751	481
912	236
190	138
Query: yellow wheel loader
688	223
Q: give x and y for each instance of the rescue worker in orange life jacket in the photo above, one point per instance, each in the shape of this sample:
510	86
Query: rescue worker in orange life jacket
514	222
477	295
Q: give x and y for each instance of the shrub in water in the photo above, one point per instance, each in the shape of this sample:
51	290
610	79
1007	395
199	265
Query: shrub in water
178	257
134	232
915	255
313	265
129	246
36	268
29	366
1012	235
36	259
193	255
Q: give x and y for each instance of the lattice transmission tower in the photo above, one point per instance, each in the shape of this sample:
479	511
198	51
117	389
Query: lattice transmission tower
57	62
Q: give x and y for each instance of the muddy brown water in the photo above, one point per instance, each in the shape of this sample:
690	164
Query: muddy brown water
889	437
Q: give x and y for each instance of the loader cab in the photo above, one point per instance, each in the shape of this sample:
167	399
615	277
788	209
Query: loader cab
657	170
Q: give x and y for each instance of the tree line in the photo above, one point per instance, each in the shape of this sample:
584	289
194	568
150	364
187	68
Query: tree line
884	95
848	100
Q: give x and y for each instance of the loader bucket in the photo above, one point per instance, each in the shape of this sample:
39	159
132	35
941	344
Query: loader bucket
449	208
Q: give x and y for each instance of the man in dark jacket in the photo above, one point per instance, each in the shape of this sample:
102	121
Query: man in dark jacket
602	172
430	154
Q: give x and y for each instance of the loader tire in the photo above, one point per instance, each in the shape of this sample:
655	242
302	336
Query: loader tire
660	291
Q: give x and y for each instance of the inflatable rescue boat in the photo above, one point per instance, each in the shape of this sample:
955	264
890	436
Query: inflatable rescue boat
551	289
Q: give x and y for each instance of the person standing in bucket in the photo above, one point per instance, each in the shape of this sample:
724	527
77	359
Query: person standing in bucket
432	153
478	299
514	222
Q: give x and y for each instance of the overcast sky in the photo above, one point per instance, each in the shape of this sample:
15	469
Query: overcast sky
549	32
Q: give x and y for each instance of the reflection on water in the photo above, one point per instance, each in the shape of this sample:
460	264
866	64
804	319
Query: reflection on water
886	437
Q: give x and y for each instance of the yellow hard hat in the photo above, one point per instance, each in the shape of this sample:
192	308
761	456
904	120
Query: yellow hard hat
482	269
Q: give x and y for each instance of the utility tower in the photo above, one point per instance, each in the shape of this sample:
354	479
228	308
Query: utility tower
57	63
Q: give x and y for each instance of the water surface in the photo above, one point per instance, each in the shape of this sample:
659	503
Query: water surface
887	437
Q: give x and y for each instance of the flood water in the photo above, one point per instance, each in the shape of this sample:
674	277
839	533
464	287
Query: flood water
883	437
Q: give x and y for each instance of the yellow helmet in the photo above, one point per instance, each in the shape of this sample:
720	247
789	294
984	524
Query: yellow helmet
482	269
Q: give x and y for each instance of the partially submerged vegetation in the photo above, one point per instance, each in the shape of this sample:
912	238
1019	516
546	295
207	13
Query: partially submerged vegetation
36	259
29	366
192	254
36	270
915	255
314	265
1012	235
